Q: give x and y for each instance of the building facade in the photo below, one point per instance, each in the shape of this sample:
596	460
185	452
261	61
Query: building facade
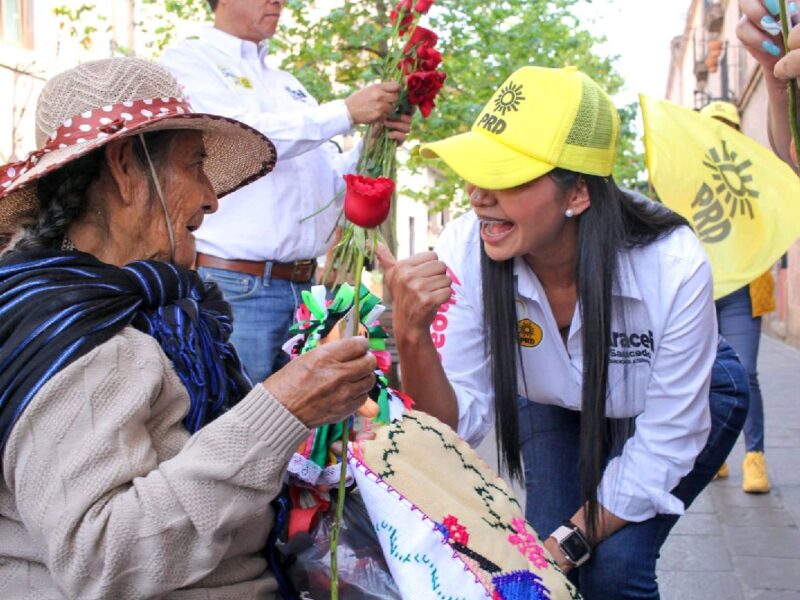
708	63
39	39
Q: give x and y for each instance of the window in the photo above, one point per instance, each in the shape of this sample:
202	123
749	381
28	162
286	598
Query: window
16	18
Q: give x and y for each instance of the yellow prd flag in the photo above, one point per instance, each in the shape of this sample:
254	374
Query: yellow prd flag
741	199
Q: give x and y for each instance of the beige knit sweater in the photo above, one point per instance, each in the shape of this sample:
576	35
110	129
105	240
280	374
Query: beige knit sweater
105	495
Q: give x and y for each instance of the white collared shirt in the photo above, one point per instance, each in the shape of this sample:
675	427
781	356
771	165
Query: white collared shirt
661	355
222	74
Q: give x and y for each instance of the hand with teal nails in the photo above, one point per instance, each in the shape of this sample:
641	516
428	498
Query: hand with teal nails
773	7
759	30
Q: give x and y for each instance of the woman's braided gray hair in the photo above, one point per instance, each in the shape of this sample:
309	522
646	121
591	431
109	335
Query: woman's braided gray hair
63	194
63	198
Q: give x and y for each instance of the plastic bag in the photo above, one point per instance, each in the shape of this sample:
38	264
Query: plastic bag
363	572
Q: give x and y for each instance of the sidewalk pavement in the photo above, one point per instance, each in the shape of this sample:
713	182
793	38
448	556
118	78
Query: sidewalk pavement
731	545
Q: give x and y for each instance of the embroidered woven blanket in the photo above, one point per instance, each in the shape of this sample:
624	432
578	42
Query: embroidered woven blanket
450	528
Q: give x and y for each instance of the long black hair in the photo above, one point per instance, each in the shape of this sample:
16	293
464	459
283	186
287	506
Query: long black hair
615	221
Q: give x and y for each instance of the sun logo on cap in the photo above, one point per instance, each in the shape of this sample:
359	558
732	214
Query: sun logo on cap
508	98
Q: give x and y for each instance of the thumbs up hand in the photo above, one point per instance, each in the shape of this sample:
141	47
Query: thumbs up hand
419	286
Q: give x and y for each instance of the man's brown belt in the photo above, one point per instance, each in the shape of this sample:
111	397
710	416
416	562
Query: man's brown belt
299	271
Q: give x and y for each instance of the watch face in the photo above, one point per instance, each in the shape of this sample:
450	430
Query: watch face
574	547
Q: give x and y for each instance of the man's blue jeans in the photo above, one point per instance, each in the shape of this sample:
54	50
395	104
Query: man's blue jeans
263	311
624	565
743	332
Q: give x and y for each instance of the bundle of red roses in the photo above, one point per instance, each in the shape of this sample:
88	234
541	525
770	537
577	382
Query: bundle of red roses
420	61
411	57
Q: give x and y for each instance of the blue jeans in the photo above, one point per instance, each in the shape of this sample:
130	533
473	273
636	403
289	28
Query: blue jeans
263	311
743	332
623	566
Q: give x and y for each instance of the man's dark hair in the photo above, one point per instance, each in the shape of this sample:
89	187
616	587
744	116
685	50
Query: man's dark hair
212	4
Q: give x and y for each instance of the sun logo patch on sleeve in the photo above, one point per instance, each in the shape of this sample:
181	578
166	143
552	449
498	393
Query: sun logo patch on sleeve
529	333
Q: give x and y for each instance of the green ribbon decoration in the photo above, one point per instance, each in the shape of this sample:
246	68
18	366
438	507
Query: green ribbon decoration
323	320
324	436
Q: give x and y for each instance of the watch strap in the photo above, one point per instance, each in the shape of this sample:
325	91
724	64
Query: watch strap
566	530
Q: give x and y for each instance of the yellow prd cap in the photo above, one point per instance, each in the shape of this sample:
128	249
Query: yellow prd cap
539	119
720	109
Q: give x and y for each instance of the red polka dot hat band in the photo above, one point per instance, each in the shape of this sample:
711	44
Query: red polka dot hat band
97	124
84	108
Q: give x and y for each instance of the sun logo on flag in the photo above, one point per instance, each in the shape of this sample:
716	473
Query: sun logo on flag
509	98
732	181
728	194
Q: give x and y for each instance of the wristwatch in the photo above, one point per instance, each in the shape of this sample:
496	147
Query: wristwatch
573	543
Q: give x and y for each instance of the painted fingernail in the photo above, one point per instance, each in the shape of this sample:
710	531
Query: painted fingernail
793	10
771	48
773	6
770	25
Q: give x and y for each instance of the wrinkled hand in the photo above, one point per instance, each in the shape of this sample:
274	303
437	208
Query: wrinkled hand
373	103
758	32
327	384
419	286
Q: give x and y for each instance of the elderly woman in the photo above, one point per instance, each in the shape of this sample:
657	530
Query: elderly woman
138	459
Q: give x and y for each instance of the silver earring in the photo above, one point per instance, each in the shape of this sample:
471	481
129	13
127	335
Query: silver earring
569	213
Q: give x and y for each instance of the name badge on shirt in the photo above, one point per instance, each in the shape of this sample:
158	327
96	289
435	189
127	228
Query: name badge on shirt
529	333
631	348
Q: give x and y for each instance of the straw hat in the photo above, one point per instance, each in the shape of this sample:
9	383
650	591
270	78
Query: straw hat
90	105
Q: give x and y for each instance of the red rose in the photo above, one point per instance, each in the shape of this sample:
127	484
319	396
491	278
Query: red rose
419	54
422	89
422	6
420	38
429	58
407	65
367	200
402	10
405	23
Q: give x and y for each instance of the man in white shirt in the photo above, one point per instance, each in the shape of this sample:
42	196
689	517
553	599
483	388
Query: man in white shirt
256	247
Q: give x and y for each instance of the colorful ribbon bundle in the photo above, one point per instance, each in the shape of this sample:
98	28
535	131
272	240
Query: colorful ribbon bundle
319	319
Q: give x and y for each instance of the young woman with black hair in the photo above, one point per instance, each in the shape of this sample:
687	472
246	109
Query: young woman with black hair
579	320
